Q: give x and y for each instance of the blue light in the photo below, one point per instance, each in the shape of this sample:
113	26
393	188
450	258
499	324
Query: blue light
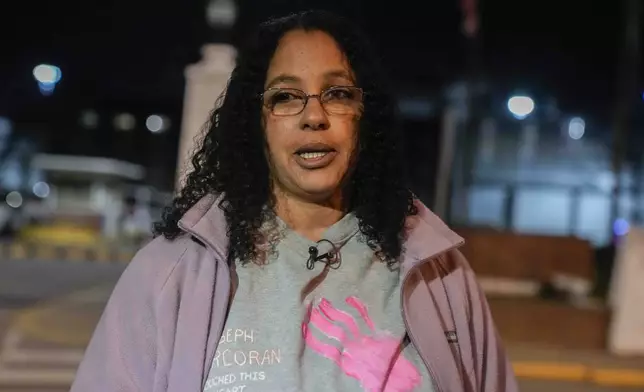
46	88
620	227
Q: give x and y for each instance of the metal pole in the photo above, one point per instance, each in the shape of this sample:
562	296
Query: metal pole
626	92
446	161
468	137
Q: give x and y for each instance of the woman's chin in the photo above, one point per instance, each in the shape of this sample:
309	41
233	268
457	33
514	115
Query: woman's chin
318	191
315	185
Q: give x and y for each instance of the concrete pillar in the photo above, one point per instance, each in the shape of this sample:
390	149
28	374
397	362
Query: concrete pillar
205	81
626	296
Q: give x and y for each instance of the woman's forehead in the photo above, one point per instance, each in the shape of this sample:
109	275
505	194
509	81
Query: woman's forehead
307	57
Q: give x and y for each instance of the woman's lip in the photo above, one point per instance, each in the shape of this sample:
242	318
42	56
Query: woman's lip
315	163
314	147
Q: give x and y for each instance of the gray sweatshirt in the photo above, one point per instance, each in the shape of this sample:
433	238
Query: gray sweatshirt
336	327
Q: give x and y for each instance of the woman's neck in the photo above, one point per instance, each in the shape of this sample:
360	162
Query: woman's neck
307	218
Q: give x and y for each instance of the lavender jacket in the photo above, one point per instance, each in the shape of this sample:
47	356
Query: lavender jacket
160	328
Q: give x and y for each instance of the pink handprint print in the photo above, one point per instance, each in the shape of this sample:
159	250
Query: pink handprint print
367	358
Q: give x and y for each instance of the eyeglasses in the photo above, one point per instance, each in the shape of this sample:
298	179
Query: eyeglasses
342	100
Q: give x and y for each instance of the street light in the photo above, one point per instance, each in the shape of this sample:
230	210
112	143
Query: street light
157	123
520	106
576	128
47	77
221	13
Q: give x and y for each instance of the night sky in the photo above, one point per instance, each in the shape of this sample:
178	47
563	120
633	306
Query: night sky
135	51
130	55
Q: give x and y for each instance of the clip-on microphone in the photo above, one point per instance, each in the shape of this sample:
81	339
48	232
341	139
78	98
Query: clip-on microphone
329	257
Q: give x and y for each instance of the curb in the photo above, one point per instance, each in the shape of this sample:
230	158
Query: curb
26	251
577	372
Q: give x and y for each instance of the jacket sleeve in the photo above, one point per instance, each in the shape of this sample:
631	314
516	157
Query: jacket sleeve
122	353
493	368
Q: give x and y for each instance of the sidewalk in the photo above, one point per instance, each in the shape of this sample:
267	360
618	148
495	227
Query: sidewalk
598	368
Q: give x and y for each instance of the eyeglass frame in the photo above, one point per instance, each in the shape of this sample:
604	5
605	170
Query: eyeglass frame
307	97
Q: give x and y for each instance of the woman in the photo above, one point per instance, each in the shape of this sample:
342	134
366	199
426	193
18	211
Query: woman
294	259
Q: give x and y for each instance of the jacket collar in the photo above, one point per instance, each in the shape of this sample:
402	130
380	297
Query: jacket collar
427	236
206	221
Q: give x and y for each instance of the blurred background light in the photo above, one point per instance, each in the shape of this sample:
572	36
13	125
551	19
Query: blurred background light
156	123
520	106
576	128
621	227
47	77
14	199
89	119
41	189
124	122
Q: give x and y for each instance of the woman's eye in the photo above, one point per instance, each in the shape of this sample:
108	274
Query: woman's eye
339	94
284	97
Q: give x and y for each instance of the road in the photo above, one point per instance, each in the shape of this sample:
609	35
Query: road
28	281
47	312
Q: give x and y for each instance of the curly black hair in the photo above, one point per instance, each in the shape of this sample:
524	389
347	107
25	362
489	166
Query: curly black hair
231	159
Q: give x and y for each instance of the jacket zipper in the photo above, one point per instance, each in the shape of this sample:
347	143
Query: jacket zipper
430	369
